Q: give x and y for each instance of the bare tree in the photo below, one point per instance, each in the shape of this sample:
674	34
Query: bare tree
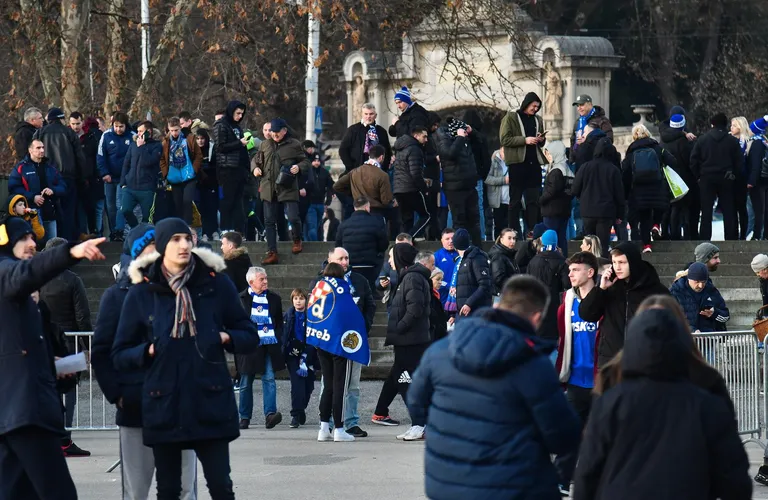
74	23
116	58
43	34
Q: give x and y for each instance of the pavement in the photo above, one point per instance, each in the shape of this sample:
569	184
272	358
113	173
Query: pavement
289	464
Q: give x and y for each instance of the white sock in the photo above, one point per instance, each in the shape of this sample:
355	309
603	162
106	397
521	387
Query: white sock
325	427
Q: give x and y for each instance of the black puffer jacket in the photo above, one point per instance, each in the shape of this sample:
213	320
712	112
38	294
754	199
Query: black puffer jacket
503	265
656	434
554	201
415	116
238	263
62	147
550	268
678	145
473	284
598	185
408	322
615	306
457	160
716	155
22	138
68	302
755	163
646	195
364	236
230	152
409	166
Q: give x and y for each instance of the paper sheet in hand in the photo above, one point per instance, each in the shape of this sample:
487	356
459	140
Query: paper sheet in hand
71	364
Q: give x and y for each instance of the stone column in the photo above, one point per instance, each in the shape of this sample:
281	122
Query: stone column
350	100
607	92
569	112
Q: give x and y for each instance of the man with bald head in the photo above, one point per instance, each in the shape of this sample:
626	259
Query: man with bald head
363	297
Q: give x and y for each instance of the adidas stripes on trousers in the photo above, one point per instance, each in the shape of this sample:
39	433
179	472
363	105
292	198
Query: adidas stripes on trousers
336	371
410	203
407	358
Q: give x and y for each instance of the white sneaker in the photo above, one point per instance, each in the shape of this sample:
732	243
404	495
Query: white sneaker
324	434
415	434
340	435
407	431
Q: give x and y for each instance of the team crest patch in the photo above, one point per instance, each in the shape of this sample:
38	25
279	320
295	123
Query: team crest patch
351	341
321	302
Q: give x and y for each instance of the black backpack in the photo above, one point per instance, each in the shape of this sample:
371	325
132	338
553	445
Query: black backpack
645	166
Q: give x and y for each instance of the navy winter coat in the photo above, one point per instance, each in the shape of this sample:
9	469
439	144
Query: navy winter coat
692	303
187	394
473	284
495	411
141	166
111	153
364	236
126	384
24	180
27	375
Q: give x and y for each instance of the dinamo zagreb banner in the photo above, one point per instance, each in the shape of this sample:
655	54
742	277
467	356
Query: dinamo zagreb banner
334	323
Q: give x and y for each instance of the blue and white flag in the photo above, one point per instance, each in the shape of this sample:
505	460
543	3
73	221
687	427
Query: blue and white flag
334	323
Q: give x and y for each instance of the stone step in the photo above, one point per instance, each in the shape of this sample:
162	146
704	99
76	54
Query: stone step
683	258
731	270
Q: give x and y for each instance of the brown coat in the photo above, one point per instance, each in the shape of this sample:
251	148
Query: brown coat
195	155
270	158
369	181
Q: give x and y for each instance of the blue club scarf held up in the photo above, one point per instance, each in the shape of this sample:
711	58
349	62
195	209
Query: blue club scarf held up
260	316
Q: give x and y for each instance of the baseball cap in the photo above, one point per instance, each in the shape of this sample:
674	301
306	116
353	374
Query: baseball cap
581	99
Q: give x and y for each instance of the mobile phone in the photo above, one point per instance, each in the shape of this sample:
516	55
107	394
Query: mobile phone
613	274
705	308
543	133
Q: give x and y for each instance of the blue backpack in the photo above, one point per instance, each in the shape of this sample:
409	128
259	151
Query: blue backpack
645	166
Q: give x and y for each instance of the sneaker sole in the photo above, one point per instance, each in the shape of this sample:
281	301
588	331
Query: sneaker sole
388	424
325	439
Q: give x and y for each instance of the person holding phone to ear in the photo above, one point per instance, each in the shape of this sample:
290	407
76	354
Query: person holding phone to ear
622	288
141	171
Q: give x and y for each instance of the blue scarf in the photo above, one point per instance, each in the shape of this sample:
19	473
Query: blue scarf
300	325
349	282
260	316
743	144
178	152
450	302
583	120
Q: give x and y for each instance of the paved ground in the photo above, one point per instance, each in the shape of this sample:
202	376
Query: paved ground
289	464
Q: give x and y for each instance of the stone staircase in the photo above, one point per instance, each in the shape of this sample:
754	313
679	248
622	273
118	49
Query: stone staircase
734	278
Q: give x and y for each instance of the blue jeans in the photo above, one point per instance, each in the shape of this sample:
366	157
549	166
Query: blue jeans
314	220
50	229
576	216
268	388
482	212
133	197
114	205
98	217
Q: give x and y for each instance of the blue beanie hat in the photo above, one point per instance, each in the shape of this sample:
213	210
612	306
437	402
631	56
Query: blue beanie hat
404	95
698	272
277	125
139	238
549	239
538	230
758	126
461	239
676	110
677	121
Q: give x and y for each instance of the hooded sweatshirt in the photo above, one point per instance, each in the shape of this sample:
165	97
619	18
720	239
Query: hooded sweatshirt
31	218
230	152
530	127
615	306
515	127
556	198
716	155
598	184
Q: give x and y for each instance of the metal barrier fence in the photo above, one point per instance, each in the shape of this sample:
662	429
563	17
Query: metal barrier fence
104	409
735	355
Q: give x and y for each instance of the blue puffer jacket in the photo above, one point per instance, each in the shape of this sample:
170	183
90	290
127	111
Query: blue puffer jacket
495	411
473	284
141	166
111	153
692	303
25	181
187	394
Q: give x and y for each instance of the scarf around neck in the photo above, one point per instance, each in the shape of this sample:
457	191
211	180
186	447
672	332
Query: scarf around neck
178	152
371	161
347	278
185	319
261	317
450	302
583	120
371	137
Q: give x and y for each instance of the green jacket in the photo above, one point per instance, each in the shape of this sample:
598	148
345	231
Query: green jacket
274	155
512	137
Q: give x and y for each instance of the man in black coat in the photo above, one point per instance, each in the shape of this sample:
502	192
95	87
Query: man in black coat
68	302
237	258
363	296
474	289
410	186
32	464
124	389
412	115
657	434
549	267
360	138
459	176
364	236
407	331
623	286
685	212
62	146
231	165
715	160
25	131
266	311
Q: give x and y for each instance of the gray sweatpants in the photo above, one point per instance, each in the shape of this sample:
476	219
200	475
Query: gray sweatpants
138	467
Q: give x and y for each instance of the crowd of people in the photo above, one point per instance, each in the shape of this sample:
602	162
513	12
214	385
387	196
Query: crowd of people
617	375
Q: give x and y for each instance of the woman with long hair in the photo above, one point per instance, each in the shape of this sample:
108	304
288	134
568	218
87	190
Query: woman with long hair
593	245
740	130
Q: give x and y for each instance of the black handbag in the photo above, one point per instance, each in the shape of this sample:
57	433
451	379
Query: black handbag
285	178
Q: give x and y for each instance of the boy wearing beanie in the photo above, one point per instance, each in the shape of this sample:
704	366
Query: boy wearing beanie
412	114
702	303
184	316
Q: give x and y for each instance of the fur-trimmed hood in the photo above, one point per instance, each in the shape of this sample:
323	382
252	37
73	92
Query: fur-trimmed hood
139	267
236	253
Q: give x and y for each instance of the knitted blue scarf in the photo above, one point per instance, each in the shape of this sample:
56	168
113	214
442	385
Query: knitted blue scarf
260	316
583	120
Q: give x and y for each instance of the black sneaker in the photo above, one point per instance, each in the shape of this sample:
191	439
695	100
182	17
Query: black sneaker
294	423
72	450
762	475
379	420
244	423
273	419
357	432
302	418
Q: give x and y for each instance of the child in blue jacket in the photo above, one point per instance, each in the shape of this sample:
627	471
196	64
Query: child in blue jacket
300	358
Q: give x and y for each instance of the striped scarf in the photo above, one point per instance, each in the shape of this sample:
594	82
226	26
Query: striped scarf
185	313
260	316
450	301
